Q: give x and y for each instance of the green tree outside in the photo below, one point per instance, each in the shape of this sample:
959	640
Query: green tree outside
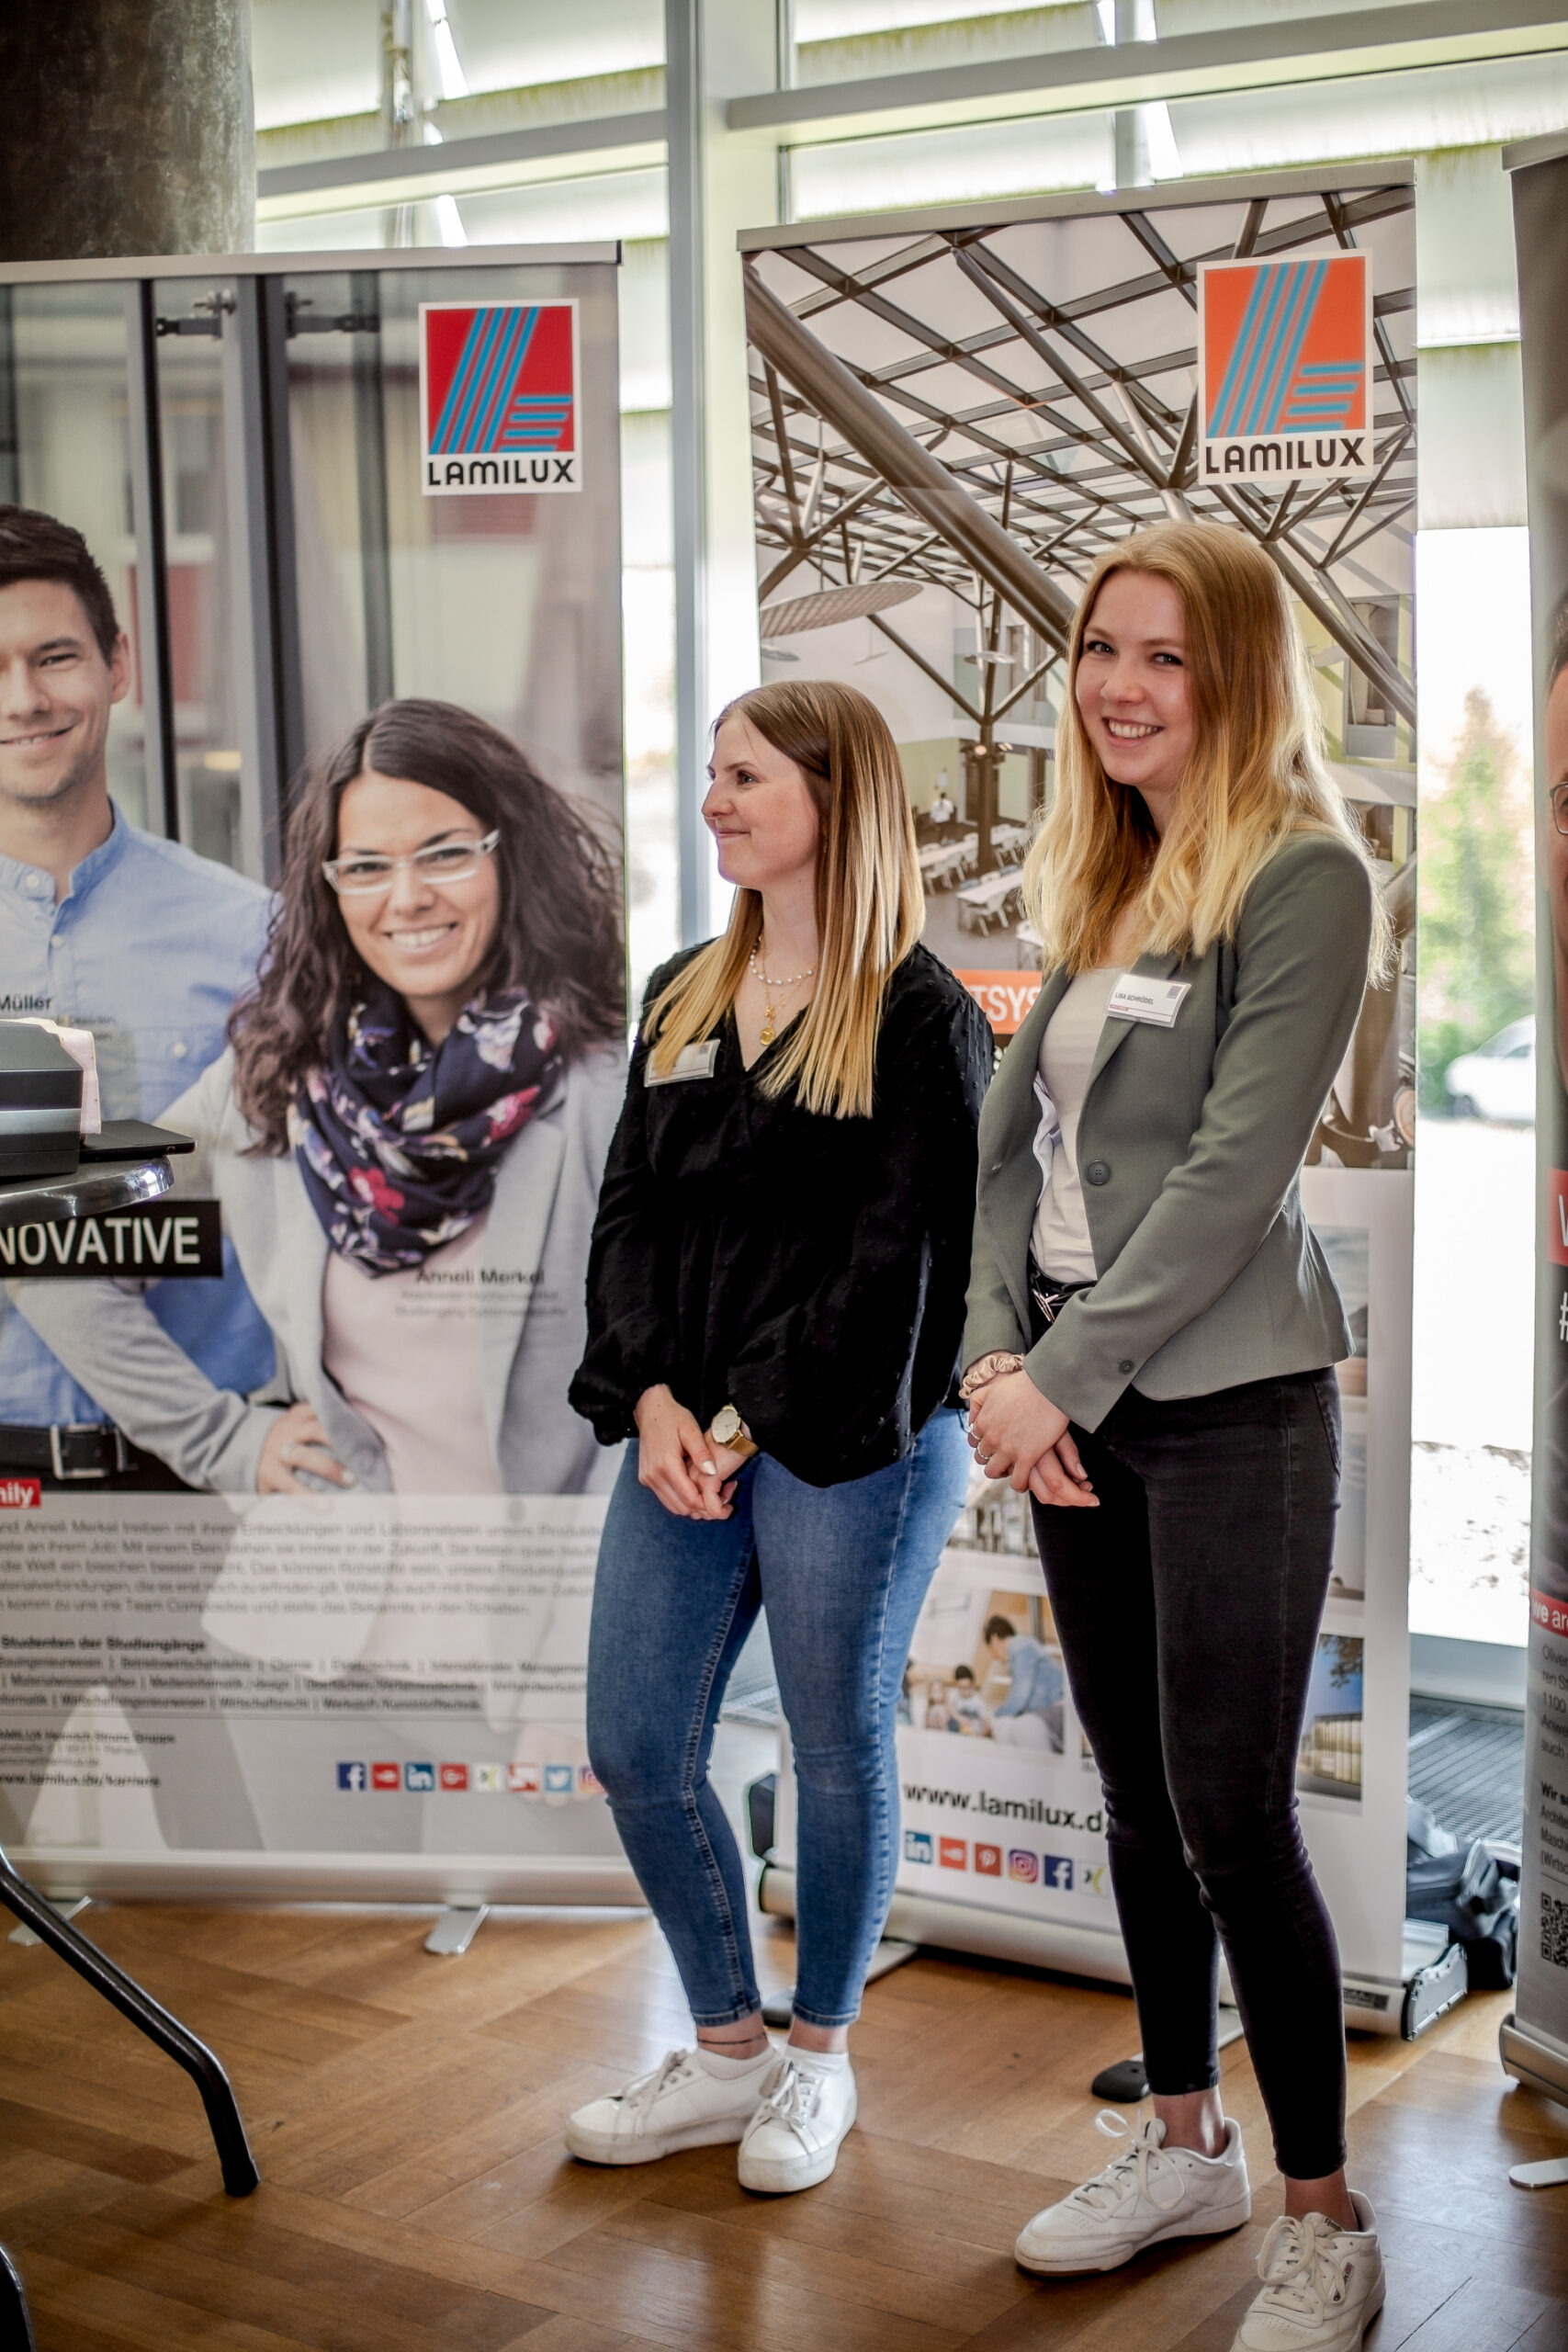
1476	962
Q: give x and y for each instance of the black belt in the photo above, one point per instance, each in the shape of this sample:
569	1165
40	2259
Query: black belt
68	1450
1049	1296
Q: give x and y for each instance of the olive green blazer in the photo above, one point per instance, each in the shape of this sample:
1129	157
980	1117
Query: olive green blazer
1190	1152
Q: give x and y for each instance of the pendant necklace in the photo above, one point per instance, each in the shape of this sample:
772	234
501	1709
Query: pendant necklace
768	986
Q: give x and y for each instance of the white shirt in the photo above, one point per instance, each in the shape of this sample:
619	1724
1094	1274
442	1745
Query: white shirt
1061	1239
404	1349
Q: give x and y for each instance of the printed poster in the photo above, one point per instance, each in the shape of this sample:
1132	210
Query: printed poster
1535	2043
297	1527
1262	380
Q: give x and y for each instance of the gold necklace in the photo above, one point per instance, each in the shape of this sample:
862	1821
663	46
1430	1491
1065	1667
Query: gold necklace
783	987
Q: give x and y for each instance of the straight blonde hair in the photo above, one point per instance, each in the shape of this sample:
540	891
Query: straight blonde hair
1257	776
869	902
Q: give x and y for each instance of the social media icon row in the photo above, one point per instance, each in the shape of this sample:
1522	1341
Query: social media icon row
482	1780
1063	1872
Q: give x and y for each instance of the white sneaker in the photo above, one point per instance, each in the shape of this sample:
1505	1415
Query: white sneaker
792	2141
1323	2286
678	2105
1147	2193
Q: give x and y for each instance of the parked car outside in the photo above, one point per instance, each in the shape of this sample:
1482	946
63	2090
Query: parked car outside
1497	1082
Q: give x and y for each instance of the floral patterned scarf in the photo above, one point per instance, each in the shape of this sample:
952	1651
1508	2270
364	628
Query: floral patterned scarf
398	1141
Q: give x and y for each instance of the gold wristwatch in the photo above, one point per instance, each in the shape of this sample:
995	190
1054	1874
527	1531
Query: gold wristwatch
986	1368
729	1430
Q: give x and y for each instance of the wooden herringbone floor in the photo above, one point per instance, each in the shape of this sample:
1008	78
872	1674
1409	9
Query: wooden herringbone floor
406	2111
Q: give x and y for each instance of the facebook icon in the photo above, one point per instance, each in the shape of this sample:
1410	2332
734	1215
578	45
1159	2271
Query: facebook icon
1058	1870
352	1776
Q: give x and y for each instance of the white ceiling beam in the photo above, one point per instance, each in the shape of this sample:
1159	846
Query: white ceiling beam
1242	57
500	159
1258	56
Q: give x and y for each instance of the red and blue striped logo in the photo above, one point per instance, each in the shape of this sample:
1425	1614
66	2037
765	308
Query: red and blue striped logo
1286	358
499	396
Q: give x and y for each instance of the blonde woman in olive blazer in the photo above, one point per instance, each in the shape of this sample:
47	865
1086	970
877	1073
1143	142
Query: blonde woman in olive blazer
1189	1152
1151	1336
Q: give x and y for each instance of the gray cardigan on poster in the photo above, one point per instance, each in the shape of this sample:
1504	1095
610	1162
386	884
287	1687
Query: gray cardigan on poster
1189	1151
532	1333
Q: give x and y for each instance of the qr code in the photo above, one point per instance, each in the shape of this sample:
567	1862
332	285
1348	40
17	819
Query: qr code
1554	1931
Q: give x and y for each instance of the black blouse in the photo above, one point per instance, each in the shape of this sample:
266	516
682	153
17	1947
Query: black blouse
808	1269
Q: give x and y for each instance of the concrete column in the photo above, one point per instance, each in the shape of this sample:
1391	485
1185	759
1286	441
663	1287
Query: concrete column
130	129
719	184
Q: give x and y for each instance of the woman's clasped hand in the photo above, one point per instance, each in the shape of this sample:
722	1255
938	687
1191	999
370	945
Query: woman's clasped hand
1018	1434
692	1474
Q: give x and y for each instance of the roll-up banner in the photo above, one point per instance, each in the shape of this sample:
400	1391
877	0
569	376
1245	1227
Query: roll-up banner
354	481
1535	2039
954	413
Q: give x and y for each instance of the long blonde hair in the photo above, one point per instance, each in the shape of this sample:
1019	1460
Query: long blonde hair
1257	775
870	903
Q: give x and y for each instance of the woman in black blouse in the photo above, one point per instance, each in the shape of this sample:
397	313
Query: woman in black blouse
775	1301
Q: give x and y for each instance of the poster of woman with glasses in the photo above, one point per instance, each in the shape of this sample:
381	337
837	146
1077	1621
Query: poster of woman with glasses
315	1611
405	1133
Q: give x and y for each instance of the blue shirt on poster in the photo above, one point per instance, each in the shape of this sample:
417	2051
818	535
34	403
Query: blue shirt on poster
1038	1681
148	949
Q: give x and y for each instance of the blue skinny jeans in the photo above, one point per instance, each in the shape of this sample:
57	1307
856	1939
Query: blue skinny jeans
842	1571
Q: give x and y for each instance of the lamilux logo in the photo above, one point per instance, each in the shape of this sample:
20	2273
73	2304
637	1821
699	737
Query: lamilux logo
21	1494
1285	367
498	392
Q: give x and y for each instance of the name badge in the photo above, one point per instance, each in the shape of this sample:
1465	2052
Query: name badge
1137	998
692	1062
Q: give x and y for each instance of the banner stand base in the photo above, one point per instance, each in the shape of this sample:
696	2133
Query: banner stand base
1534	2058
1433	1972
1552	2172
455	1928
458	1881
990	1935
68	1906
